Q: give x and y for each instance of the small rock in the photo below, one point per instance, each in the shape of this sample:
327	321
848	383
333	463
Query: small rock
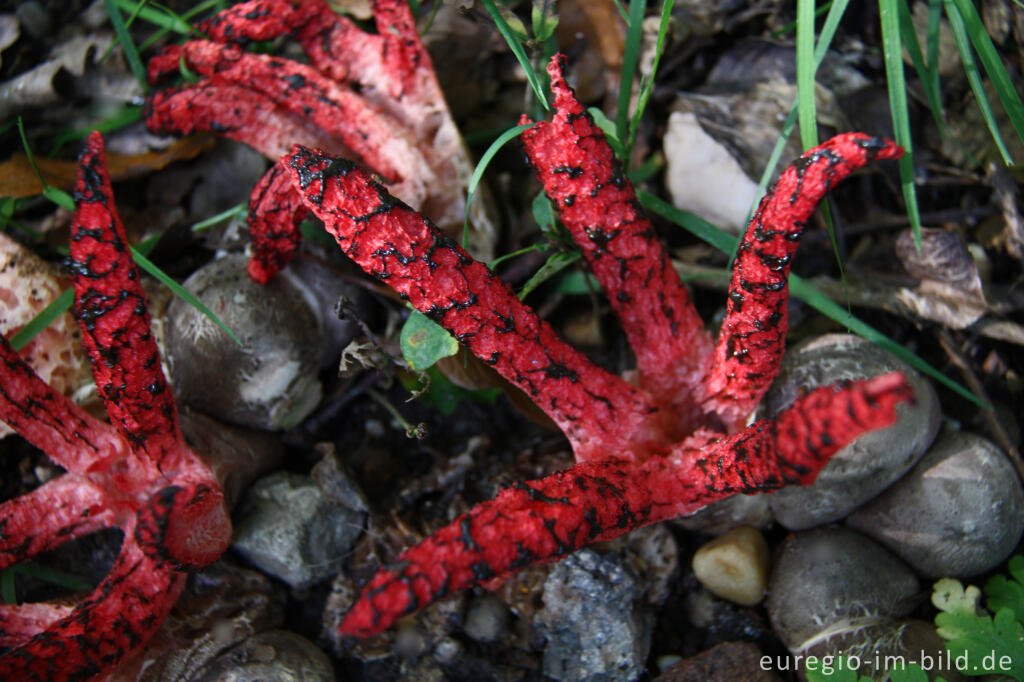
718	518
869	464
287	528
726	662
593	627
833	580
487	619
735	566
277	655
270	381
960	510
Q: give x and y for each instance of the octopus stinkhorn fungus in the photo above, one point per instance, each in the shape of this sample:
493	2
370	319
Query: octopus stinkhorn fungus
135	473
672	443
373	97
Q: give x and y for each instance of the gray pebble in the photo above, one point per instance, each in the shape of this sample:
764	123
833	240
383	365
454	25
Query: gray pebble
270	382
832	580
871	463
594	629
959	512
287	528
718	518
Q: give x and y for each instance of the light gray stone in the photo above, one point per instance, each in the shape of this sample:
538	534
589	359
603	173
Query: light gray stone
718	518
960	510
286	527
270	381
834	580
595	630
871	463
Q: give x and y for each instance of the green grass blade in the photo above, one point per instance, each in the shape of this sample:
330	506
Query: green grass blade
517	49
119	119
828	31
554	264
927	73
963	45
481	166
695	225
54	194
68	581
608	128
41	321
892	48
647	86
131	52
237	209
177	20
806	66
180	291
630	57
165	19
7	591
810	295
1009	95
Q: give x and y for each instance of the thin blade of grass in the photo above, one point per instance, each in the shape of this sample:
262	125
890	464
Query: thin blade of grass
119	119
608	128
166	20
68	581
517	49
810	295
184	18
481	166
41	321
828	31
54	194
963	46
554	264
927	73
131	52
7	590
180	291
647	85
630	57
1008	93
803	290
892	48
806	66
238	209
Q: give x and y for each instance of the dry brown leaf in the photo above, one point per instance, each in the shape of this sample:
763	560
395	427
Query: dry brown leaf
17	179
949	286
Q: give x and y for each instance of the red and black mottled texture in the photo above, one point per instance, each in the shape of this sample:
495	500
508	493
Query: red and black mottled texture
598	411
598	206
753	335
544	520
135	474
640	459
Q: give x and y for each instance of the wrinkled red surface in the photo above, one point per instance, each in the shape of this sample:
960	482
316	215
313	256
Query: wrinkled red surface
644	454
136	473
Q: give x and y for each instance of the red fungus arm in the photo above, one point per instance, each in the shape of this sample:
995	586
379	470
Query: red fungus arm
120	615
752	338
276	211
598	411
599	208
596	501
49	420
111	309
68	507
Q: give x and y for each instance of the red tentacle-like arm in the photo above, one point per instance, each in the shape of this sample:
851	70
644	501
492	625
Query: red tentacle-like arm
598	411
598	206
599	500
753	335
111	309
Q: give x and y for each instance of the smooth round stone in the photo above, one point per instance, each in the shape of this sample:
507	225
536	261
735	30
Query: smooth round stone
269	382
960	510
871	463
722	516
735	566
832	580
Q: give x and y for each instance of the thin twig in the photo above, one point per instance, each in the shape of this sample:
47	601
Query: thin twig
974	383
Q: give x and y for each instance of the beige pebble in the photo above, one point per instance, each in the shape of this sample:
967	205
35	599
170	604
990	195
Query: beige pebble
734	566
